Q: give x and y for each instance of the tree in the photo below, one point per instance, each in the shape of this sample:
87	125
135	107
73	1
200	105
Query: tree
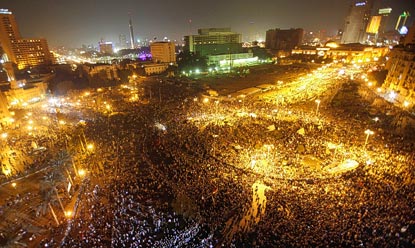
187	61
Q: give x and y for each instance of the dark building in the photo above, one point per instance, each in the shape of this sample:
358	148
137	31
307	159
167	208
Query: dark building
357	21
284	39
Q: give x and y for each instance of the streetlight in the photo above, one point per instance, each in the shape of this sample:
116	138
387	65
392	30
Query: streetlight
4	135
318	101
368	133
81	172
90	147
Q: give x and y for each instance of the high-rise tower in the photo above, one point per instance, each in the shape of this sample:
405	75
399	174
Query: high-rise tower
356	22
21	51
131	33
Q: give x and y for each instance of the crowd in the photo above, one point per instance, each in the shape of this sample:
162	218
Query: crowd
179	172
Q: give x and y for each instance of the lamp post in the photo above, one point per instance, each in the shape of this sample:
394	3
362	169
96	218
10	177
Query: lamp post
368	133
318	101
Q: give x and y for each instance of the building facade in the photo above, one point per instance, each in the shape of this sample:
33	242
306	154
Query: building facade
284	39
106	48
347	53
21	51
163	52
214	41
401	74
357	21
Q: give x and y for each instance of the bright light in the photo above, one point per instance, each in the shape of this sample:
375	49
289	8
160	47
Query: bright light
392	95
369	132
62	122
14	185
90	147
68	214
81	172
206	100
4	135
406	104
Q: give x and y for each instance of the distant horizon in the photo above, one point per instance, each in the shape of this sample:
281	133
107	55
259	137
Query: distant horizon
76	23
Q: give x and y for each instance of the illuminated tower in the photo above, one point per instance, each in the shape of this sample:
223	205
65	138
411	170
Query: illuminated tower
356	22
131	33
9	34
24	52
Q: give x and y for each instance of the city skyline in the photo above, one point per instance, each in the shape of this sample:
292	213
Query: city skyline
73	23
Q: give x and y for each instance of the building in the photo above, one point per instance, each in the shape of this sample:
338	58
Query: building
4	110
153	68
283	39
214	41
163	52
346	53
122	39
106	47
357	21
410	37
385	14
21	51
401	75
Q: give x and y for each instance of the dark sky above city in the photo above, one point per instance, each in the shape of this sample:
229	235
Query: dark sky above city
76	22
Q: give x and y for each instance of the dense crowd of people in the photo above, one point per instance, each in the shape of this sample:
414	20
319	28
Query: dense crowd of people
178	171
187	184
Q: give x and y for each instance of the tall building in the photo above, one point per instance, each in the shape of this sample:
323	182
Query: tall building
385	13
284	39
22	51
356	22
401	73
410	37
163	52
122	39
214	41
131	34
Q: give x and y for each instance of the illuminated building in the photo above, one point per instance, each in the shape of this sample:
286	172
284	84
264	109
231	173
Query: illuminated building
21	51
401	73
283	39
374	24
347	53
357	21
4	111
153	68
106	48
163	52
214	41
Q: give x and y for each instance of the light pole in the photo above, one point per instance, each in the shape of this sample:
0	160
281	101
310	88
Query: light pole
368	133
318	101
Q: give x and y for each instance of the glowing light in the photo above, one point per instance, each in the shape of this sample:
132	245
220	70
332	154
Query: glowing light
81	172
90	147
68	214
14	185
392	95
406	104
4	135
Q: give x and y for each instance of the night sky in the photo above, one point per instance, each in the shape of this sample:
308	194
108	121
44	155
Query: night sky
76	22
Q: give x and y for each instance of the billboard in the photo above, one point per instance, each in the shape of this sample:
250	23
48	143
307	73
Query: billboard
374	25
